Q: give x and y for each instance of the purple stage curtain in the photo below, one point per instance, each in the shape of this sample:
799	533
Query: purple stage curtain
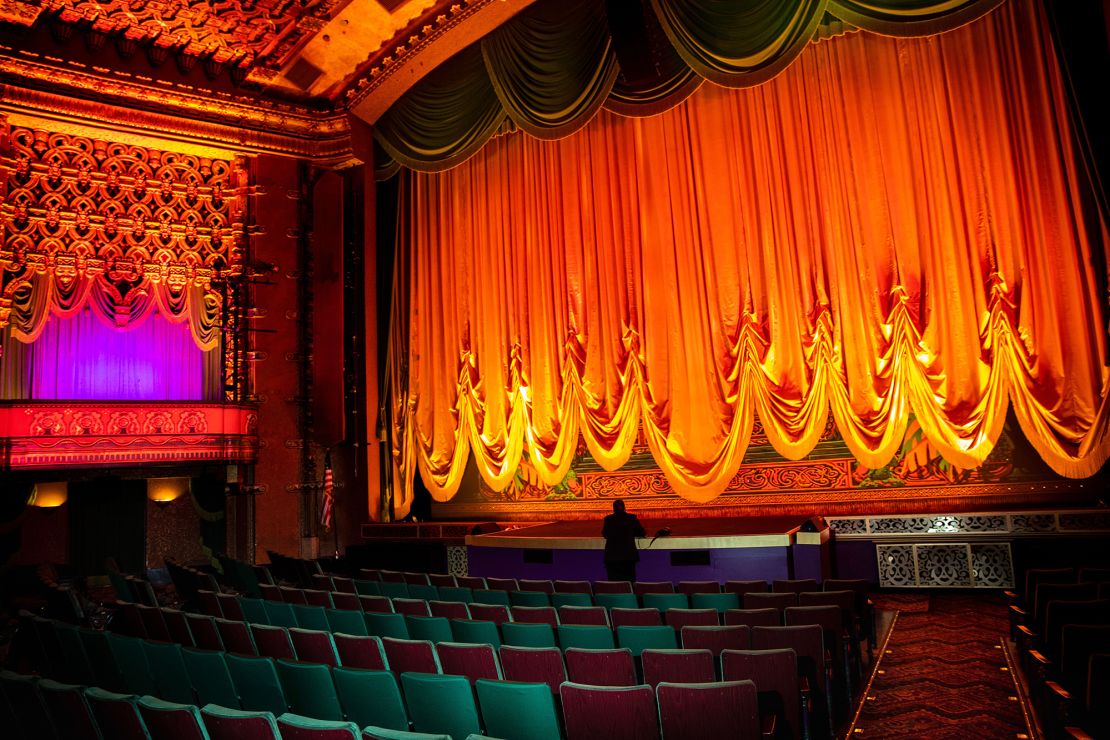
82	358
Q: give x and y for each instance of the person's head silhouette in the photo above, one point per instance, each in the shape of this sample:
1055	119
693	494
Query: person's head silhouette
618	507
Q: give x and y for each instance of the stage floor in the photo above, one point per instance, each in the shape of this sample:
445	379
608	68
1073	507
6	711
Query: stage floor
715	527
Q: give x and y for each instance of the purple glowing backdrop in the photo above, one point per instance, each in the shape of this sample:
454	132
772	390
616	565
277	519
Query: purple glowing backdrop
82	358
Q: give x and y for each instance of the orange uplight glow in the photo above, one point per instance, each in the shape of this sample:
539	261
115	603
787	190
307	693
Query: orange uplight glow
166	490
49	495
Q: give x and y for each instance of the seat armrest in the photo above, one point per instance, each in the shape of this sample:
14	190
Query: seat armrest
1040	658
767	726
1060	692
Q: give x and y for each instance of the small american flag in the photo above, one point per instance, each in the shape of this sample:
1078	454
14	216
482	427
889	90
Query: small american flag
329	499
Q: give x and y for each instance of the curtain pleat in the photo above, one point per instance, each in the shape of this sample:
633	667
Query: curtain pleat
890	230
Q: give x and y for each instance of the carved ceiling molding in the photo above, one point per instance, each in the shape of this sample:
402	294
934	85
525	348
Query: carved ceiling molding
42	90
250	36
396	67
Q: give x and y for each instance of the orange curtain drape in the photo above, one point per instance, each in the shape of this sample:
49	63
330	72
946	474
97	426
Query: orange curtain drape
891	227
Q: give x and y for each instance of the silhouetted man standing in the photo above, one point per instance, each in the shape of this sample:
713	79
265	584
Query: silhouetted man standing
620	532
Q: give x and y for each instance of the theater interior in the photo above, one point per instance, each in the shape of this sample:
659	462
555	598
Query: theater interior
333	333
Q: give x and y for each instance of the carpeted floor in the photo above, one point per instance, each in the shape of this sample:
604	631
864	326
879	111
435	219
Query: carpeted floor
943	675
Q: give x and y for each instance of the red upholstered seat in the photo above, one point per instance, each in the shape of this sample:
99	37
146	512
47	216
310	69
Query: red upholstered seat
442	580
168	721
471	582
415	579
583	615
270	592
411	607
416	656
449	609
794	586
610	712
546	587
775	672
343	585
754	617
778	601
323	582
808	644
745	587
314	646
501	584
573	587
678	666
470	660
699	587
293	595
205	634
232	724
155	624
679	618
496	613
652	587
316	597
209	603
717	639
345	600
727	709
635	617
535	615
273	642
533	665
178	627
117	715
612	587
601	667
236	637
360	652
376	604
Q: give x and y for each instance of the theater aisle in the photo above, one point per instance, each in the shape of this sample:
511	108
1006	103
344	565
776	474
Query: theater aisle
944	675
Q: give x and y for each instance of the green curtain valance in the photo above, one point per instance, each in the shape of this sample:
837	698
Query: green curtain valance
551	68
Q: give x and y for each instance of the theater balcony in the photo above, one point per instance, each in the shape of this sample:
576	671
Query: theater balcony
83	434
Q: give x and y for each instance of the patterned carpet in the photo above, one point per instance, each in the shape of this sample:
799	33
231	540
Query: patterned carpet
943	675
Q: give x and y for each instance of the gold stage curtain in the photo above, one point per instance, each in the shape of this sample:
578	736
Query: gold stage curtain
890	227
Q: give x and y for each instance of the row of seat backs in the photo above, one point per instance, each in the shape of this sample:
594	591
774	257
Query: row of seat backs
129	664
48	709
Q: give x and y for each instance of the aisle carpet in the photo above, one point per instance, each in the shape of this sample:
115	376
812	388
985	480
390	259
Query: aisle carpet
942	675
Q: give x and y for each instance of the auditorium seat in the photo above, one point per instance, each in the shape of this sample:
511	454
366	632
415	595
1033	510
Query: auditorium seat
292	595
432	629
590	636
775	673
272	641
664	601
370	698
423	591
370	574
310	616
677	665
224	723
456	594
471	660
796	586
612	587
540	586
600	667
210	677
25	701
297	727
477	631
386	625
229	607
76	667
533	665
254	610
209	603
754	617
442	704
178	626
129	657
375	604
357	651
347	621
309	689
269	591
343	585
280	614
679	618
449	609
831	621
413	607
414	578
529	598
491	596
345	601
382	733
170	720
257	684
571	599
314	646
68	710
415	656
518	710
535	615
527	634
367	588
591	615
698	587
496	613
394	589
155	624
323	582
711	709
98	648
616	600
474	583
652	587
442	580
807	642
635	617
391	576
779	600
236	637
716	639
745	587
610	712
167	668
315	597
722	601
639	638
117	715
573	587
501	584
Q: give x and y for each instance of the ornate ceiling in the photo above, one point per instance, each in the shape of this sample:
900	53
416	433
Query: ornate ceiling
320	54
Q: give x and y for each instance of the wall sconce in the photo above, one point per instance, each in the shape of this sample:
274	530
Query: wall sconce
49	495
164	491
